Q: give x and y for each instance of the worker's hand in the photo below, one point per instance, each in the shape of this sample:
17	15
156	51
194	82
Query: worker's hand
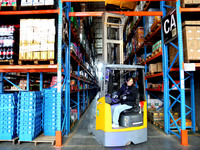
115	96
124	97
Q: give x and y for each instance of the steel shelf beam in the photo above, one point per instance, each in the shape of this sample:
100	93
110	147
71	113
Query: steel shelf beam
28	68
189	9
155	56
126	13
30	12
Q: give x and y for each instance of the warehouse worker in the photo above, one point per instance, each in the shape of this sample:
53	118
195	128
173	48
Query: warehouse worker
127	95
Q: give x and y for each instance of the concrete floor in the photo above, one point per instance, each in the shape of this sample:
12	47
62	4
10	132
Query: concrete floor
80	139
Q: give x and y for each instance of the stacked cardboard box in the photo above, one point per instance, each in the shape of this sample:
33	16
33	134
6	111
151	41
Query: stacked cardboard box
37	39
191	40
189	2
155	115
139	37
36	2
157	67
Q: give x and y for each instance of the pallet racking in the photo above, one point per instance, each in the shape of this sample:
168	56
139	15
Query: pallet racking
61	68
167	75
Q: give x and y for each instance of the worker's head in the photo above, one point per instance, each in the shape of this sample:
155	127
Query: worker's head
129	81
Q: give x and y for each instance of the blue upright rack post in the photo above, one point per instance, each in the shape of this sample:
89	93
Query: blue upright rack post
1	83
59	73
28	80
67	73
41	81
165	77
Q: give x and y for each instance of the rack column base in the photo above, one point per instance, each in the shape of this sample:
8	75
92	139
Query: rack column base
58	138
184	137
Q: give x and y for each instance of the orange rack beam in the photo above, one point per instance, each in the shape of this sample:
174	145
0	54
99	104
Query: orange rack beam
110	0
155	75
158	90
28	68
155	56
189	9
30	12
126	13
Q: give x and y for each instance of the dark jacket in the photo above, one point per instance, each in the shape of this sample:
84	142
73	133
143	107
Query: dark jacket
130	92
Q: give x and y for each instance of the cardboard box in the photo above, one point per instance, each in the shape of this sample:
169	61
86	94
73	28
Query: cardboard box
50	54
43	55
153	68
36	55
29	55
159	65
196	1
26	3
189	43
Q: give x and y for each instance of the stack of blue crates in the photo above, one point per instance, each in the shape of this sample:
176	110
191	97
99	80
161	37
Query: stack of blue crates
8	116
49	108
29	115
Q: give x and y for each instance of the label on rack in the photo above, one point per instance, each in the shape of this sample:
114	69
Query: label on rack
189	67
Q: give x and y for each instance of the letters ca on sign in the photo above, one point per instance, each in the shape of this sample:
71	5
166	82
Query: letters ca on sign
169	26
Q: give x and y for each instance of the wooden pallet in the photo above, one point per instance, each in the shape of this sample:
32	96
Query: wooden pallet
9	62
148	35
156	51
13	140
7	8
35	62
190	5
149	73
41	139
155	25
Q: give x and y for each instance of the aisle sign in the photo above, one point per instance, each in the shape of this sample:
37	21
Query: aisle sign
169	27
189	67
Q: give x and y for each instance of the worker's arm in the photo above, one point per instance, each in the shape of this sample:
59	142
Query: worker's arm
132	95
121	90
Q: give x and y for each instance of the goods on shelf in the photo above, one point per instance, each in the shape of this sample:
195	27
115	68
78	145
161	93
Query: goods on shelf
49	111
155	115
157	45
74	49
8	116
37	39
36	2
139	37
153	68
191	42
188	122
157	67
73	114
53	83
149	21
29	115
156	23
23	84
7	40
190	3
155	86
8	2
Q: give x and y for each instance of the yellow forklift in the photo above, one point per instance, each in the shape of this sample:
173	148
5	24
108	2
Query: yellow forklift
133	123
